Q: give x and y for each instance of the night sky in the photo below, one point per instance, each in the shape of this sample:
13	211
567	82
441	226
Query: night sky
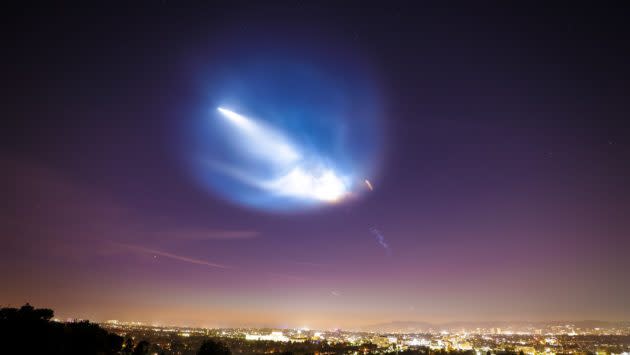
495	137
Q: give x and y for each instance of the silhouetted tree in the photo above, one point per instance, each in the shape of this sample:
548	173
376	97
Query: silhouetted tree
89	338
128	346
114	341
211	347
142	348
412	352
177	347
28	330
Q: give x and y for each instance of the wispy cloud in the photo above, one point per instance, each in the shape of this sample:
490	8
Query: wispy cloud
182	258
215	234
381	240
52	213
285	276
308	263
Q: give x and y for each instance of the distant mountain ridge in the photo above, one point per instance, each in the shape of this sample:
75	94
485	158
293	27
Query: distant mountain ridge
418	326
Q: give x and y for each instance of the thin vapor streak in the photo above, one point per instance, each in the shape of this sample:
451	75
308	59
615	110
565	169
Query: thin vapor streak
307	263
285	276
216	234
151	251
186	259
381	240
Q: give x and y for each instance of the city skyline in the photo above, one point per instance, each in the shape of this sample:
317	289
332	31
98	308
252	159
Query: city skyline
299	165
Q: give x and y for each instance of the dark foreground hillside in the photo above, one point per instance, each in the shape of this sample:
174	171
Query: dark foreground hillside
28	330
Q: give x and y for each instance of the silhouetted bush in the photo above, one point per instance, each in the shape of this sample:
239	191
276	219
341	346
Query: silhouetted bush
211	347
142	348
30	331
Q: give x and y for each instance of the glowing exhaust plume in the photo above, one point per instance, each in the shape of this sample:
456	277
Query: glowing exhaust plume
297	176
260	140
237	119
299	183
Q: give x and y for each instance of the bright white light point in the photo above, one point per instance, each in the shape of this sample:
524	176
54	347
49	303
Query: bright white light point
369	185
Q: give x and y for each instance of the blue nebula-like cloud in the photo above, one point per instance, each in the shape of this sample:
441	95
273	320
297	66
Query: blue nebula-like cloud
298	175
287	131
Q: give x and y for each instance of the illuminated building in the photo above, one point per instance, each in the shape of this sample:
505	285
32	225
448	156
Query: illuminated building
274	336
